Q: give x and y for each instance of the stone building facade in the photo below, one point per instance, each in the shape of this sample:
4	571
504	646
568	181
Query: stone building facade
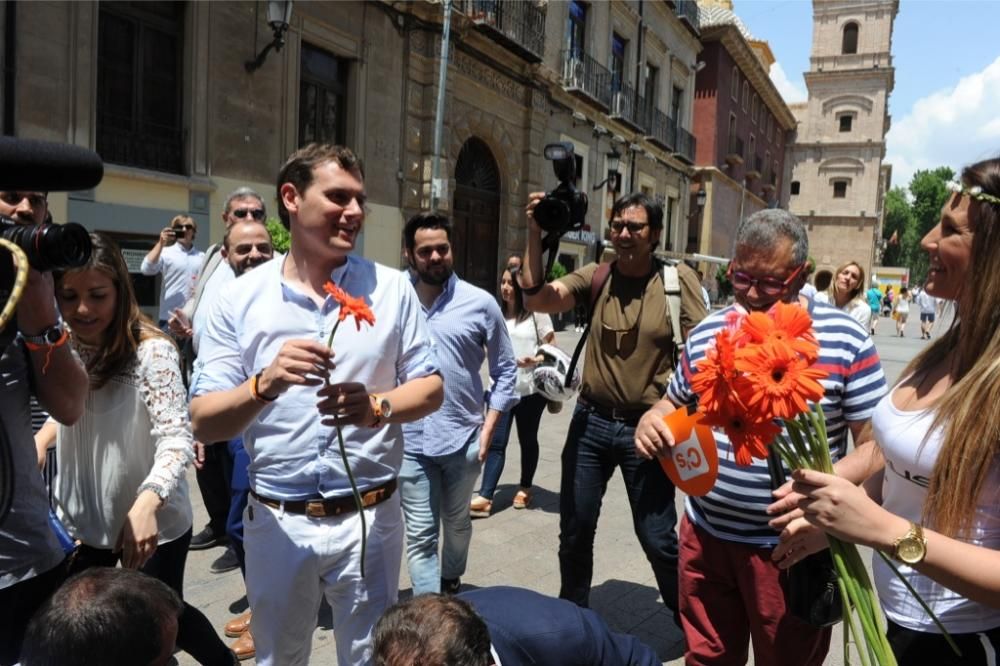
163	91
742	125
836	178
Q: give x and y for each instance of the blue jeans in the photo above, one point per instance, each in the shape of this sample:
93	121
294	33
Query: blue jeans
594	447
437	489
527	414
239	487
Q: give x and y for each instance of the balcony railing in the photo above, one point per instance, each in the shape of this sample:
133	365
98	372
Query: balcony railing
583	74
662	129
150	146
688	10
626	107
519	24
734	154
685	145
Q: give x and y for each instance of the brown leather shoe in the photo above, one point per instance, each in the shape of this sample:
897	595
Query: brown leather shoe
244	648
238	626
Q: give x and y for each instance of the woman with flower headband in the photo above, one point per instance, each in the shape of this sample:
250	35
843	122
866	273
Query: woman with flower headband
934	499
122	486
846	292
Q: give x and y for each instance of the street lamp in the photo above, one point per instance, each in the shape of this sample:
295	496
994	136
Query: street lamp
279	13
701	196
614	159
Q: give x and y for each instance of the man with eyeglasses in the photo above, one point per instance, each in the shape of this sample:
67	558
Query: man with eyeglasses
629	357
730	589
175	256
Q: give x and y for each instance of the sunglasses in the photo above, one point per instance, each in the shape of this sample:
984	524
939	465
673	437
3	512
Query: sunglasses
255	213
768	286
184	227
633	227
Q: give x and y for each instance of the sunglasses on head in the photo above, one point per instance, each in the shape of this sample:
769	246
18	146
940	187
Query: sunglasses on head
618	226
255	213
768	286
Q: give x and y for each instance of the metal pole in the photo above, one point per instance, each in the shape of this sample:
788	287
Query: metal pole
436	186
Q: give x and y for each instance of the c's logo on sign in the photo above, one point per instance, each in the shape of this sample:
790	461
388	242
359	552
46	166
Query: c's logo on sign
693	463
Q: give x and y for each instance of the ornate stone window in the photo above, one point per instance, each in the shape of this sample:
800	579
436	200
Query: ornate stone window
849	41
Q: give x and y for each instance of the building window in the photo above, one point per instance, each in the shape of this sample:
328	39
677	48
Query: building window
617	61
734	85
746	95
732	134
845	122
753	109
576	28
751	151
770	127
840	189
668	216
652	74
676	107
139	84
849	44
795	187
322	97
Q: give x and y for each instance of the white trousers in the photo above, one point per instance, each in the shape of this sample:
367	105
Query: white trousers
293	559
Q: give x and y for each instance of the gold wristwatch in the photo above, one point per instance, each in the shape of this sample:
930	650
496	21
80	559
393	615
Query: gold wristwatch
381	408
911	547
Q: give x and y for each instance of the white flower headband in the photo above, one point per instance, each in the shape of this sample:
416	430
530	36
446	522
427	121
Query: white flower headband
976	192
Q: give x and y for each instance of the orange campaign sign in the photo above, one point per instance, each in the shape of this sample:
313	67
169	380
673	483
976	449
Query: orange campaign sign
693	462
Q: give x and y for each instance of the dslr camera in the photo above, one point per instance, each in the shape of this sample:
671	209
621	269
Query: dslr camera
49	246
564	208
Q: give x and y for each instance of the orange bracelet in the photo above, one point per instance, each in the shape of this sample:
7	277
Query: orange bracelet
255	392
48	354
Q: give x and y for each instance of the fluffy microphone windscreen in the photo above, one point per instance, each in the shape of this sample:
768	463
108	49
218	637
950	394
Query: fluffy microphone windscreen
44	166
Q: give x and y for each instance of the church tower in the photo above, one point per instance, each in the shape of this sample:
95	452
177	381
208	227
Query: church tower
835	176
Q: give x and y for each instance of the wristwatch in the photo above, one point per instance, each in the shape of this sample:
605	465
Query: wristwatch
382	409
47	337
911	547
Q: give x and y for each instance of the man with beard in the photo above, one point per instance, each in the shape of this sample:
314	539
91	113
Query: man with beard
443	452
318	421
630	354
246	245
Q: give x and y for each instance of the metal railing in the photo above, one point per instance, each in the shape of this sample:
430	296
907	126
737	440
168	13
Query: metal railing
522	22
685	145
151	146
687	9
583	73
663	130
627	107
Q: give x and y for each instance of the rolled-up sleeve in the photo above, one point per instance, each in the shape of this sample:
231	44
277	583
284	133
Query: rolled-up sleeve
151	267
500	353
416	356
220	366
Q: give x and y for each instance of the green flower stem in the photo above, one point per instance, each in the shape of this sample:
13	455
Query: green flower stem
350	474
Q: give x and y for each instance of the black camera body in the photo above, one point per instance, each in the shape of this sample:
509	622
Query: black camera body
49	246
564	208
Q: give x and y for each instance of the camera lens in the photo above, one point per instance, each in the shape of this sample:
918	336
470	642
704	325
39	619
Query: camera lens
552	214
50	246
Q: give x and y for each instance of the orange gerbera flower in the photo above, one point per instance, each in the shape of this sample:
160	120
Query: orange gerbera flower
785	323
712	381
749	438
775	382
350	305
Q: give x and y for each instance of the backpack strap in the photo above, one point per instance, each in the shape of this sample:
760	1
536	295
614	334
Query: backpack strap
672	289
597	282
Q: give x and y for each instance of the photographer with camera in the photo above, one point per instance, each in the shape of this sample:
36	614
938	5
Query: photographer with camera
34	360
174	255
630	354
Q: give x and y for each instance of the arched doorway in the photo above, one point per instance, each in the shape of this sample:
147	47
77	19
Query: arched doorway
476	215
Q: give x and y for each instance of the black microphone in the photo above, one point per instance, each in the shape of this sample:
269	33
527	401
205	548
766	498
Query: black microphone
44	166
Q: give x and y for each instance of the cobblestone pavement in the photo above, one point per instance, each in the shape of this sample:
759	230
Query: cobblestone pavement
518	547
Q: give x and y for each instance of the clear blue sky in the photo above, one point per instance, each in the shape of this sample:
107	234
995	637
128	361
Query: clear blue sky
936	44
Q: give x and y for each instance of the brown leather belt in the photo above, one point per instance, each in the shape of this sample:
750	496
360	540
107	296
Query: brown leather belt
627	416
328	508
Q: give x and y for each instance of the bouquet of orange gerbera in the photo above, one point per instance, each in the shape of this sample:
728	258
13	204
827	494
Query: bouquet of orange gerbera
351	306
761	370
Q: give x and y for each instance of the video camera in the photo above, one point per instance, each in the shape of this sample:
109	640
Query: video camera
48	246
564	208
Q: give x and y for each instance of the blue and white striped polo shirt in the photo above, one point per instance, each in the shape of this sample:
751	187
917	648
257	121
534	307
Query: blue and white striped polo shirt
735	509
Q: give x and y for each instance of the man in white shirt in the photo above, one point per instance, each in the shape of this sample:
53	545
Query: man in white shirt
270	373
929	306
176	257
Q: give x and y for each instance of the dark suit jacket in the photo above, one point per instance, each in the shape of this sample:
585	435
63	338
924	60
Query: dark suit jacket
529	628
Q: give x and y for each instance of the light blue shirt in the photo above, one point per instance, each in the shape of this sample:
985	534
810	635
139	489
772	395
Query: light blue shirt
467	327
220	277
292	455
180	271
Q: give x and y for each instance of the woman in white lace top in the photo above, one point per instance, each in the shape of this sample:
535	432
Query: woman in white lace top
122	487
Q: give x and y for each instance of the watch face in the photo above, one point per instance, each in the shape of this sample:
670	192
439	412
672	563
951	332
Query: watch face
52	335
910	550
385	408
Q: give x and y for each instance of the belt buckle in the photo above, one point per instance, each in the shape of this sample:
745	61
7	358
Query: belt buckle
618	414
315	510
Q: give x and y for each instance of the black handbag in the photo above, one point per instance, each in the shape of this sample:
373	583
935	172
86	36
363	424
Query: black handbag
811	591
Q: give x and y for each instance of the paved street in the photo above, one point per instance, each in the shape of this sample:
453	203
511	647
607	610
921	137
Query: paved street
519	547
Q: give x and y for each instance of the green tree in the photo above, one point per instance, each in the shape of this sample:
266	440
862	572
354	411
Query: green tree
279	235
899	225
928	194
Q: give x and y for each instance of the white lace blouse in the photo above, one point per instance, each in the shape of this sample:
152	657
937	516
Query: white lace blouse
135	434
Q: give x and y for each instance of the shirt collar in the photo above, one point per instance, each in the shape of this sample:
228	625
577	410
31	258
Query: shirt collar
446	293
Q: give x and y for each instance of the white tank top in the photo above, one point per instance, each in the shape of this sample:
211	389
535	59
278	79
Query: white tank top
909	464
